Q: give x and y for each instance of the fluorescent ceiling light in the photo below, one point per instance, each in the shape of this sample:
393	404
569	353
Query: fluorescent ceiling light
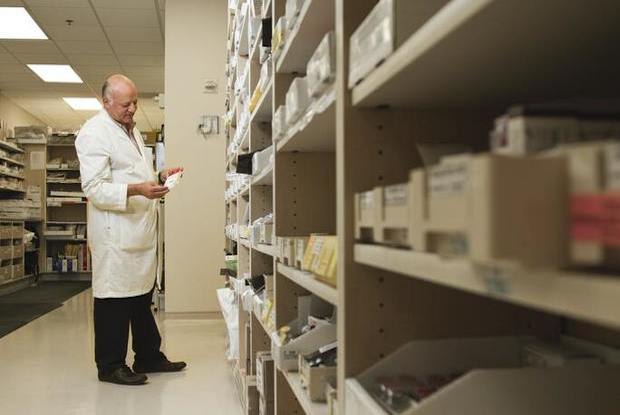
83	104
16	23
56	73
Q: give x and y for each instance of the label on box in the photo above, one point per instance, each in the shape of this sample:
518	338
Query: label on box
596	218
395	195
587	214
448	180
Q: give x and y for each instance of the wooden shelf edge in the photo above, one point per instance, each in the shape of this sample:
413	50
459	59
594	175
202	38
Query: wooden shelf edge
582	296
265	249
310	283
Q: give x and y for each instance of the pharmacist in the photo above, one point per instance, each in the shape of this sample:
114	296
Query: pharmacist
122	191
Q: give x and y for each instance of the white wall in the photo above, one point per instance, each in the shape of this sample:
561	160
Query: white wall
15	115
195	51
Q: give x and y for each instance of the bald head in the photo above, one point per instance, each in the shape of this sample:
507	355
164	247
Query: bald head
120	98
115	82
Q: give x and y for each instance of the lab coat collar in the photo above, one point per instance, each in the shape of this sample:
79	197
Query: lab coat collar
137	137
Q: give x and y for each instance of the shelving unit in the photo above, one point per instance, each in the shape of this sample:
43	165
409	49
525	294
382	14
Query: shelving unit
446	82
67	213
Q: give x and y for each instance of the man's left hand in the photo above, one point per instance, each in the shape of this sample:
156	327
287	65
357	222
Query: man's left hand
163	175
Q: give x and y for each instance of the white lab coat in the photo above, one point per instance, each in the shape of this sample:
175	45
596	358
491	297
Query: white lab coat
122	231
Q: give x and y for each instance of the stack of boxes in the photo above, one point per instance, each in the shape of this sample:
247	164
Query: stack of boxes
548	182
317	254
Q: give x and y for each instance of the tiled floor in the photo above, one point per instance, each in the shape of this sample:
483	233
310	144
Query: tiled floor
47	367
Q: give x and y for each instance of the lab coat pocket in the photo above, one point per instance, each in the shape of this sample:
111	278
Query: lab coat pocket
138	231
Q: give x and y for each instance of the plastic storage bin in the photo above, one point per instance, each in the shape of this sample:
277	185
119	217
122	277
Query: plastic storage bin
492	381
321	68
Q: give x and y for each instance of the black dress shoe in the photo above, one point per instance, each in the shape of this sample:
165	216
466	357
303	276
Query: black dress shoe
163	365
123	376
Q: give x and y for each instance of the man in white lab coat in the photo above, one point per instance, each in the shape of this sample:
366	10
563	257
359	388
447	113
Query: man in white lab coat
122	190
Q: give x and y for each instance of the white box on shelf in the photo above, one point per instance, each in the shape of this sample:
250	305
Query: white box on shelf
266	233
292	9
386	27
278	124
297	100
286	356
261	159
321	68
278	38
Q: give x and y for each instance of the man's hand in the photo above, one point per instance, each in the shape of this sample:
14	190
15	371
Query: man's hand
163	175
150	190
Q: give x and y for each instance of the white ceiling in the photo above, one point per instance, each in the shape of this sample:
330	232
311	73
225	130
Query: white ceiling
106	37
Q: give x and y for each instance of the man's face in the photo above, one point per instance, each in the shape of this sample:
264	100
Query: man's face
124	103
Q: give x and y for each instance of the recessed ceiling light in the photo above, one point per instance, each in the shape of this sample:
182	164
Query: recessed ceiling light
56	73
16	23
83	104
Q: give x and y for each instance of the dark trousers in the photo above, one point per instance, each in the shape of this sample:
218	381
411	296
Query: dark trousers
113	317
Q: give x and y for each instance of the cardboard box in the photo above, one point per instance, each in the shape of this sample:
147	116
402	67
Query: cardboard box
266	233
325	269
366	214
594	180
332	399
265	376
316	379
492	208
300	250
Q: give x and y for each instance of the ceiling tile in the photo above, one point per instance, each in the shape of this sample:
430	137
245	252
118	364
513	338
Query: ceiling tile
81	33
92	60
7	58
71	47
141	60
57	3
12	68
57	16
134	34
124	4
138	48
32	47
128	18
144	71
98	71
54	58
11	3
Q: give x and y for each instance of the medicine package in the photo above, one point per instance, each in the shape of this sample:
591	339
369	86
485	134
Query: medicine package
321	69
173	180
297	100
